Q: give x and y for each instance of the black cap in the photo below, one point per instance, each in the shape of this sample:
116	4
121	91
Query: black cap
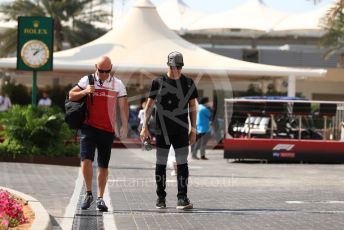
175	59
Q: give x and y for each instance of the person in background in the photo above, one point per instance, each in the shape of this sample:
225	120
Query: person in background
141	115
5	102
45	101
203	129
171	162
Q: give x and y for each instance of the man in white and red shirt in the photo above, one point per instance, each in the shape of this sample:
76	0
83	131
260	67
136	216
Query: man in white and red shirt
99	128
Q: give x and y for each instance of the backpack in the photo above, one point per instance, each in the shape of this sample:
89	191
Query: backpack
76	111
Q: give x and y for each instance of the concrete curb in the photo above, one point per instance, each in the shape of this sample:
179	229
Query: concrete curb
42	218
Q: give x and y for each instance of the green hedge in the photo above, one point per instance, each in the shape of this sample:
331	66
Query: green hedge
36	131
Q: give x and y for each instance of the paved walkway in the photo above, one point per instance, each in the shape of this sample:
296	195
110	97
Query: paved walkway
226	195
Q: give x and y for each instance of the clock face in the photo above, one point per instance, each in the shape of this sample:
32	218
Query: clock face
35	53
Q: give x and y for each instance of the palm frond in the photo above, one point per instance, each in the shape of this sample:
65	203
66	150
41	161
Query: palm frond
335	11
8	42
82	33
330	52
333	24
72	19
21	8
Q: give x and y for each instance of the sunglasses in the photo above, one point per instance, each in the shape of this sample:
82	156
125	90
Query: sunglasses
177	67
104	70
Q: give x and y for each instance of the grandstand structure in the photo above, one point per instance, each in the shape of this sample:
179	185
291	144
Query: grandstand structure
247	32
255	39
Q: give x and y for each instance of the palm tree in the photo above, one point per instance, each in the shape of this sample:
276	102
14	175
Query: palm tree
334	26
72	20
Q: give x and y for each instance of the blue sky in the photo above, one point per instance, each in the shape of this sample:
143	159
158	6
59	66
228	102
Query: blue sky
213	6
285	5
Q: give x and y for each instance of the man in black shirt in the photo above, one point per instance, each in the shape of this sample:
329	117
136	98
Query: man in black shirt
175	98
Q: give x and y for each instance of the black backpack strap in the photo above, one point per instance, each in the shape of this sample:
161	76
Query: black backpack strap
91	82
91	79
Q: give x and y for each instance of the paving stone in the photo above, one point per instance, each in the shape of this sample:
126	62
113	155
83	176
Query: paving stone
226	195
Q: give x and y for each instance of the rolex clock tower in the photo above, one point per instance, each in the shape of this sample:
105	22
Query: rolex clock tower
35	44
35	47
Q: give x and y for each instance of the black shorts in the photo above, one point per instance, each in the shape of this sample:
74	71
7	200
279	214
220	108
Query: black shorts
92	138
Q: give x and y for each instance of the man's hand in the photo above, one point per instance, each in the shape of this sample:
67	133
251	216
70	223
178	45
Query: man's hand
145	134
89	89
123	132
192	137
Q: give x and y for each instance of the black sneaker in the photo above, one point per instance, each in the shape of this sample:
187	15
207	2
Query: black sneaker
87	201
160	203
184	203
101	205
204	158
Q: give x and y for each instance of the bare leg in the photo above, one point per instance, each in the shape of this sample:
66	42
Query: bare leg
86	168
102	179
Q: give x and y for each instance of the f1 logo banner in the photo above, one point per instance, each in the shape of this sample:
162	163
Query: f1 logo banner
286	147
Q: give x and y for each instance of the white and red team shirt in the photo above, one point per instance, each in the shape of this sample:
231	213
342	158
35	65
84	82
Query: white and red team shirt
102	113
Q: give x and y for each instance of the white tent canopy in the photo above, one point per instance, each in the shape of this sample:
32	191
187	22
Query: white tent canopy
142	42
177	15
251	15
303	22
